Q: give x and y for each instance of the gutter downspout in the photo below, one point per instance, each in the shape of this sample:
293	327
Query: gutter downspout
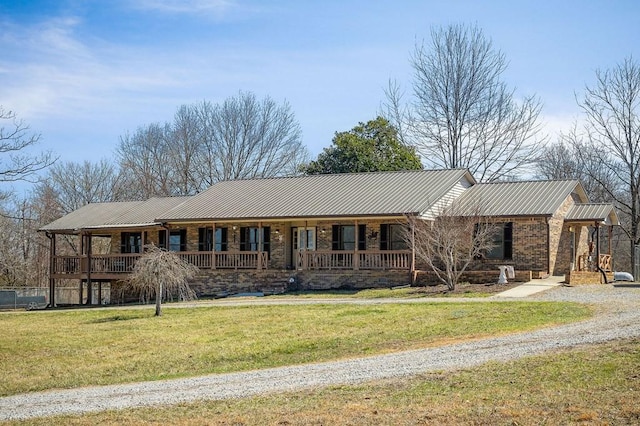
167	235
548	246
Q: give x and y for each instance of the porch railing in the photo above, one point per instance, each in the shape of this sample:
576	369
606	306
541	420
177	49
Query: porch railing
587	263
124	263
314	260
379	260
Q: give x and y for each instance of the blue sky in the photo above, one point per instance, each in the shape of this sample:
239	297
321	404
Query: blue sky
83	72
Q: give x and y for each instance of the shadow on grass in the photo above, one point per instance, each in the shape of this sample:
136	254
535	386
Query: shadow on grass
114	318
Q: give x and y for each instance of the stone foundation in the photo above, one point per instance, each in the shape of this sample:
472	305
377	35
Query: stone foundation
327	280
221	283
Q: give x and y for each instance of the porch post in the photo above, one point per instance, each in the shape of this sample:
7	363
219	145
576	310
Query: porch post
52	281
356	255
89	283
598	244
304	247
80	282
259	245
213	246
413	253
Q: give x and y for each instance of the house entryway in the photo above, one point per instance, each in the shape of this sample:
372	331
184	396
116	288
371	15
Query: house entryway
303	239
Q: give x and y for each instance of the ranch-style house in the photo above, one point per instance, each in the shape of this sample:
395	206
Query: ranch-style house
329	231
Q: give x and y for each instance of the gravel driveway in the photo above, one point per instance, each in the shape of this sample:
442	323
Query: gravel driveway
618	316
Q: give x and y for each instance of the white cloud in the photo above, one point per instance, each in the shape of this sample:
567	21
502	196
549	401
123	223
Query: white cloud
56	73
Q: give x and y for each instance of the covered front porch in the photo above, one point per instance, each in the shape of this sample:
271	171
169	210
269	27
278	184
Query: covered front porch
331	245
590	228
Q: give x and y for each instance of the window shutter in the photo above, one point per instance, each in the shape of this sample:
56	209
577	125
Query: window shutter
243	239
508	240
162	238
202	239
384	236
362	237
266	241
335	237
124	236
223	239
183	240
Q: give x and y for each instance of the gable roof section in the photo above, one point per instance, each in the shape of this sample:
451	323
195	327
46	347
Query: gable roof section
593	212
114	214
331	195
528	198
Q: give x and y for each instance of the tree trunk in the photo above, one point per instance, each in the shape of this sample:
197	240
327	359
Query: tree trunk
159	298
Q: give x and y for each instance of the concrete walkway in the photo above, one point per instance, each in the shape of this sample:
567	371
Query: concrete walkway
532	287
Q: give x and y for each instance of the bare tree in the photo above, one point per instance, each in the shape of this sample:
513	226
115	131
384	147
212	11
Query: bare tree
184	151
16	162
247	138
240	138
23	254
76	184
611	141
572	158
144	161
451	242
164	274
462	115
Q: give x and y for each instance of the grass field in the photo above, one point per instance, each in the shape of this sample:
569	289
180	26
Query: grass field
64	349
592	385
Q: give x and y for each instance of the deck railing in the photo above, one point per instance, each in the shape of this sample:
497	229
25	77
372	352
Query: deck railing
312	260
587	263
124	263
379	260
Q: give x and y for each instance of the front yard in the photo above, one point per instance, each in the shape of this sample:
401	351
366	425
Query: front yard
65	349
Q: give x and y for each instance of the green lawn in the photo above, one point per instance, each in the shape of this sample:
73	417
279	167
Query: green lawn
63	349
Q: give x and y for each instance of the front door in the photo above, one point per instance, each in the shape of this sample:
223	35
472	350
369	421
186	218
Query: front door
304	240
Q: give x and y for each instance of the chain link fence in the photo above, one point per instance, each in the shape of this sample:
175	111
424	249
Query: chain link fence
38	297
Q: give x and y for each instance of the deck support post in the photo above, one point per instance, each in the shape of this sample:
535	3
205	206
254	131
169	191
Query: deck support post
52	281
356	255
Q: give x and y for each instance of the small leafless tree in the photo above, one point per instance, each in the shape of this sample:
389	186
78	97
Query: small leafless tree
451	242
462	115
164	274
16	162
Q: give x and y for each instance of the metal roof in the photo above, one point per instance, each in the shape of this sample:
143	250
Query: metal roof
114	214
592	212
331	195
526	198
